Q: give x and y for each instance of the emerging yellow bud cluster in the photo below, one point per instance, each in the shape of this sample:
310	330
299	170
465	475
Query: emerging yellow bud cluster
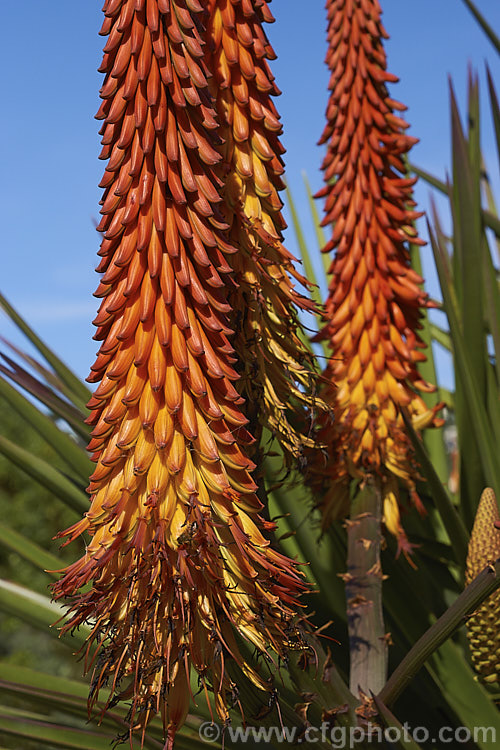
483	629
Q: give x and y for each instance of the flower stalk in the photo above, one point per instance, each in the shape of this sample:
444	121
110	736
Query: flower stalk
483	586
368	644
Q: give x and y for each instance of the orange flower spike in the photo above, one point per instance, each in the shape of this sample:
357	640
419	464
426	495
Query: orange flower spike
375	298
176	557
277	367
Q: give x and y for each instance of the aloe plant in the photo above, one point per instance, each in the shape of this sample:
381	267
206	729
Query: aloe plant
419	607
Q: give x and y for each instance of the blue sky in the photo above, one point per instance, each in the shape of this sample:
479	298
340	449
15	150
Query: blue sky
49	141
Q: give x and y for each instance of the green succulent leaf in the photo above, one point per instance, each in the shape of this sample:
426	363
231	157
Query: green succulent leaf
488	30
73	455
45	474
481	426
38	611
47	396
318	227
30	726
457	532
76	390
442	337
402	738
27	549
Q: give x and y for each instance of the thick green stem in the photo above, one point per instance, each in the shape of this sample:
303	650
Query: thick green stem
480	588
363	580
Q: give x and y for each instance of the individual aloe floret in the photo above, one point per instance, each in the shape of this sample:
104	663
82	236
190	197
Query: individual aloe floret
177	563
277	366
375	298
483	629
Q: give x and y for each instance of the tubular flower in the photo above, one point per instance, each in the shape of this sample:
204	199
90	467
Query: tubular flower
374	301
276	366
177	562
483	630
